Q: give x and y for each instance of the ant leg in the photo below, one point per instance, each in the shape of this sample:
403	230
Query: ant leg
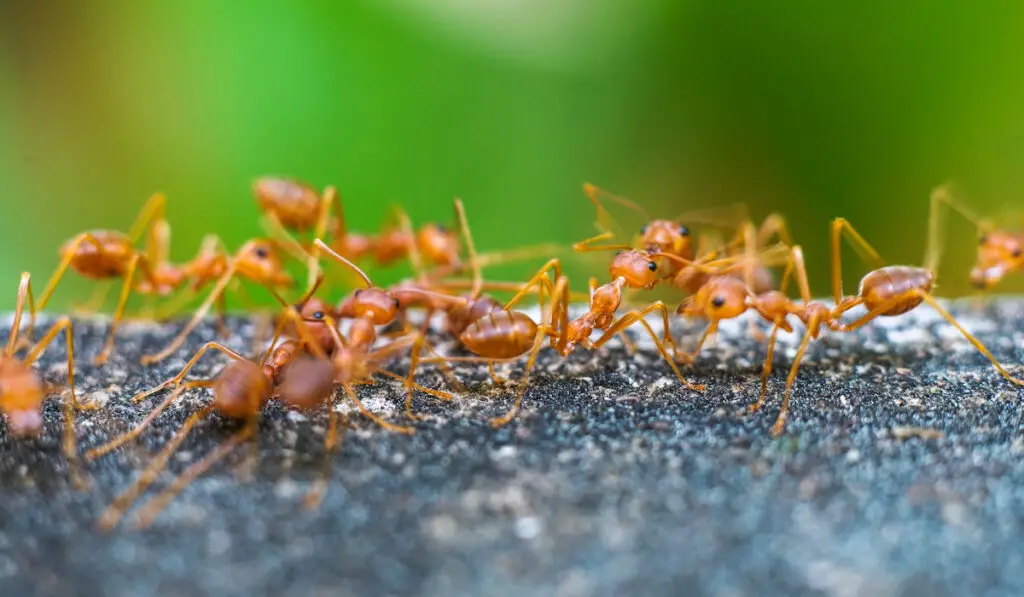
936	231
766	370
188	367
774	226
538	341
841	227
157	504
633	317
69	406
497	379
126	290
284	239
467	237
810	332
588	245
24	293
315	495
970	338
152	211
405	226
328	199
136	431
196	318
117	509
369	415
95	302
539	279
690	357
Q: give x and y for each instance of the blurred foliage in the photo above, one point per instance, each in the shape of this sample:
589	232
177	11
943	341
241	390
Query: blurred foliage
810	109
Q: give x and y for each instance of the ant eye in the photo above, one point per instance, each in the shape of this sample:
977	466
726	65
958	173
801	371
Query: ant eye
718	301
357	293
684	231
441	228
262	252
318	315
1017	252
643	229
398	305
983	239
652	266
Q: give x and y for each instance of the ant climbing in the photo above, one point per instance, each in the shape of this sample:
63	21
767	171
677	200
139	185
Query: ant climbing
1000	252
22	391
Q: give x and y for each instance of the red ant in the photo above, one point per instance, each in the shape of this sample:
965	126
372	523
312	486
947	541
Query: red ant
22	392
106	254
1000	252
256	260
292	205
886	291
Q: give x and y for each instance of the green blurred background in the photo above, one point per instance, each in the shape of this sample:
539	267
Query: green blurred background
812	109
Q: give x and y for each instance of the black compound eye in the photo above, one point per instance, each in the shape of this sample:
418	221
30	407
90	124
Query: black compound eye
982	239
262	252
357	293
441	228
684	231
398	305
652	266
1017	252
718	301
643	229
318	315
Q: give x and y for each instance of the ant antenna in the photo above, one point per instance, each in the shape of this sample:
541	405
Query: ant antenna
337	257
474	262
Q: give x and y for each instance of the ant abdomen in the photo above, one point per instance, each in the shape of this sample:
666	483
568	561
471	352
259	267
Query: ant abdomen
110	261
501	335
295	204
307	383
885	285
240	389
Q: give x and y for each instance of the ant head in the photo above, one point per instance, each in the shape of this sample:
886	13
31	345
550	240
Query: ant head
722	297
21	399
668	237
240	390
999	252
306	383
259	261
639	270
438	244
374	304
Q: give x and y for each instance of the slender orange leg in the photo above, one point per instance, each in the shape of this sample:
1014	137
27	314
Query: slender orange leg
69	406
633	317
96	301
604	219
766	370
328	199
467	237
24	293
157	504
117	509
810	333
689	357
538	341
414	357
540	279
126	290
315	495
152	211
369	415
589	244
864	249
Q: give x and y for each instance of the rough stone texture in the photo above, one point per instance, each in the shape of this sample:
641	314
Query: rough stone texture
614	481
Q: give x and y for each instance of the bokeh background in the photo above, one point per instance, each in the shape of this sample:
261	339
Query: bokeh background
811	109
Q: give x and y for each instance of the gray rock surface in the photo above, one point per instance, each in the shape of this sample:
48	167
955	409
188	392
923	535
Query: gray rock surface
902	473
